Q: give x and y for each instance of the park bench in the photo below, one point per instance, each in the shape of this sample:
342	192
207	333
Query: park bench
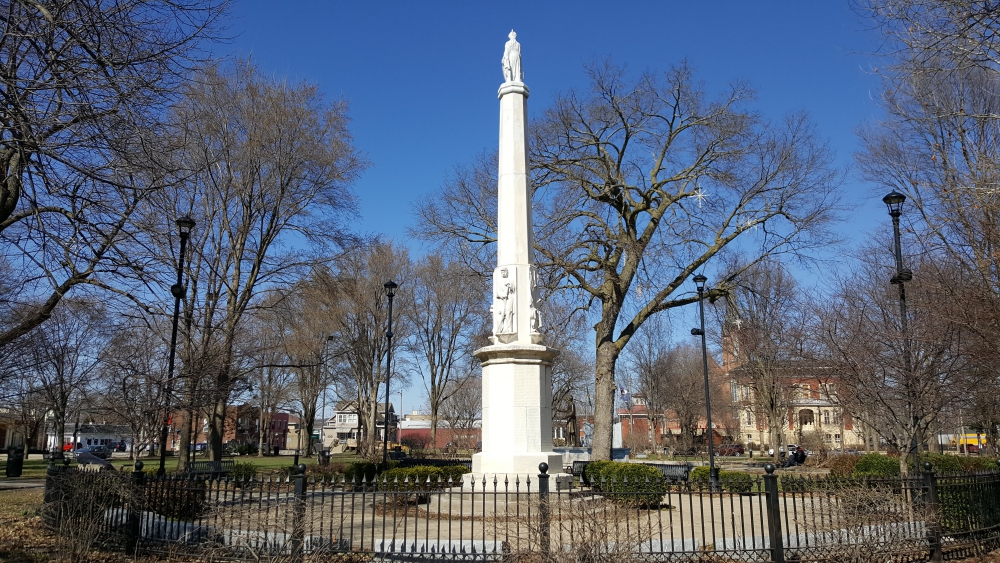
674	473
213	469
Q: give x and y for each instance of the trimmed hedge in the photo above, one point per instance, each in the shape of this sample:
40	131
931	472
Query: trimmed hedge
978	463
628	484
592	471
842	465
454	472
360	472
421	477
407	478
243	471
944	463
732	481
877	466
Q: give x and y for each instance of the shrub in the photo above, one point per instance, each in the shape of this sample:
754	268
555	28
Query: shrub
941	463
877	466
842	465
412	478
732	481
360	472
328	474
629	484
977	463
454	472
592	471
414	443
244	470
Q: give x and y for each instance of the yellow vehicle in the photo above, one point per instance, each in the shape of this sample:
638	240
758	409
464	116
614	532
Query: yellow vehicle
968	442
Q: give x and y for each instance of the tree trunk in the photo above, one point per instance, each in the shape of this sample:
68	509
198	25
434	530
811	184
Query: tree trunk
604	400
264	433
217	429
184	447
309	414
434	424
60	432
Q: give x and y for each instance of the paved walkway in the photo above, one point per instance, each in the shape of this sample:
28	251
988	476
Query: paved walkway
17	484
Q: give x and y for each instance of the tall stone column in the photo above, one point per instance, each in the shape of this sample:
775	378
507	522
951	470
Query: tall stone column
517	367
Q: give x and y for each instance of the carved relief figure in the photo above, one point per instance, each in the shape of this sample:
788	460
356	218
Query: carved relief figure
536	315
503	306
512	60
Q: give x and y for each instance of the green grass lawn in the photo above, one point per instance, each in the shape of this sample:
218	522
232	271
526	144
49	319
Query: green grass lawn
35	468
32	468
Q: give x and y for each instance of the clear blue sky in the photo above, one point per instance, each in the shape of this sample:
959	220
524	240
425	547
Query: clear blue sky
422	77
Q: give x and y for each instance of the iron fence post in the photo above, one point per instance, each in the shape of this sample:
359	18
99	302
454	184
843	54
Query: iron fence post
299	513
773	515
135	509
51	496
932	517
543	509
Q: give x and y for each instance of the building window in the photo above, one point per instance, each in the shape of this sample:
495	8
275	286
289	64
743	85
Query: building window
828	437
734	389
749	418
836	438
826	417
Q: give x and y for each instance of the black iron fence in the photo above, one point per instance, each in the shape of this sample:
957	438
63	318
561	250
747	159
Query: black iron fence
765	518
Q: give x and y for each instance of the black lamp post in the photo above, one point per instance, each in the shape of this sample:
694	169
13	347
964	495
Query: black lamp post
184	226
713	471
390	290
894	202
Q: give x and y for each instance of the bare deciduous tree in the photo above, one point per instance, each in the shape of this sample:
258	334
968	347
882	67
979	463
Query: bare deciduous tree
639	184
65	357
861	330
261	165
270	379
83	85
446	314
359	343
463	410
764	330
131	382
923	31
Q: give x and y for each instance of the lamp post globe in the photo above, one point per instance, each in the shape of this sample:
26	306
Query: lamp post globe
894	201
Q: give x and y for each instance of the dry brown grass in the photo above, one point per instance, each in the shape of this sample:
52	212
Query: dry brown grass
22	536
24	539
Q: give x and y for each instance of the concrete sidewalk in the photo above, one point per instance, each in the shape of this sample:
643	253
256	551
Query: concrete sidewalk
15	484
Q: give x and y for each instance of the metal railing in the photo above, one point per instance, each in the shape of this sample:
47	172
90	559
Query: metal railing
760	518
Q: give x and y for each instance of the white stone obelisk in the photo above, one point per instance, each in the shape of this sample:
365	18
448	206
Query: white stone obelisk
517	368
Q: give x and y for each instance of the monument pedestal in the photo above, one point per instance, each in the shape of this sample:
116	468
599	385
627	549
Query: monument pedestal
517	411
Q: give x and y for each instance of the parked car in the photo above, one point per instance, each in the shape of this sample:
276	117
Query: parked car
731	449
102	452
